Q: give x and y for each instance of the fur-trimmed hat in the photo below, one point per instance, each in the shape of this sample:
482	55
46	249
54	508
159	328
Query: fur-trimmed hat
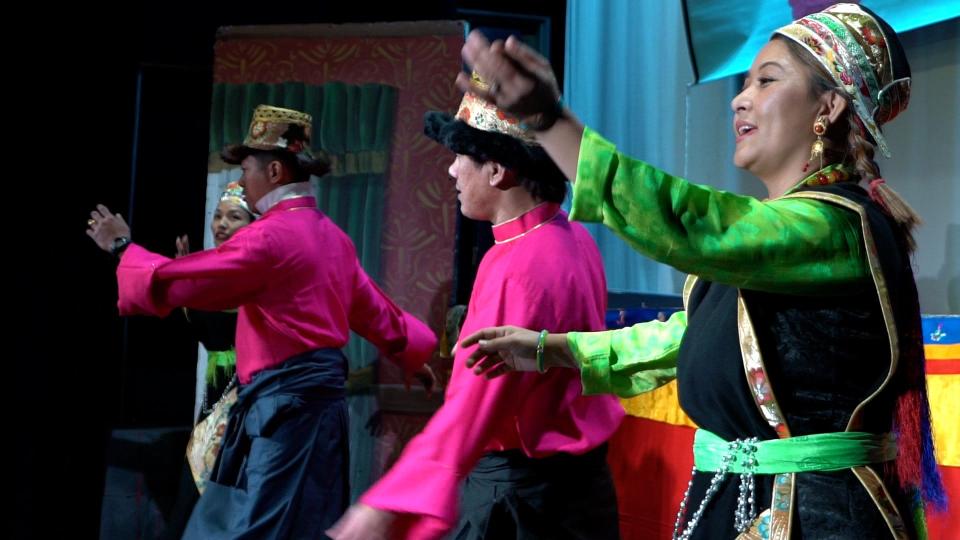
483	131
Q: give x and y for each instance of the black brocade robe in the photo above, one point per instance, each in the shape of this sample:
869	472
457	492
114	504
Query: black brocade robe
824	355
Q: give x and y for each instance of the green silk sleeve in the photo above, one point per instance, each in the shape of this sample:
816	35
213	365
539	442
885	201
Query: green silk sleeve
631	360
788	245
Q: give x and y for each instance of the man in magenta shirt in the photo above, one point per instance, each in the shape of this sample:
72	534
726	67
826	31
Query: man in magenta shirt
282	470
525	453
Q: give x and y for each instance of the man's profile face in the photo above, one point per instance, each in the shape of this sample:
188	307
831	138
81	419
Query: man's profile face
254	180
476	195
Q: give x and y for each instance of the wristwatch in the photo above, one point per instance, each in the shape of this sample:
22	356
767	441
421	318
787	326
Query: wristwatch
119	244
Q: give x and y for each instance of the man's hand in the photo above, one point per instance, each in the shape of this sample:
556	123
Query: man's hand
105	227
362	522
425	376
183	246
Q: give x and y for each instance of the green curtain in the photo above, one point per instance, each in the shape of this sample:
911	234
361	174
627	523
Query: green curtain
353	125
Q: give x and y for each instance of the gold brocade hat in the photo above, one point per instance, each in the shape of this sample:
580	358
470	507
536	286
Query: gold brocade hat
275	128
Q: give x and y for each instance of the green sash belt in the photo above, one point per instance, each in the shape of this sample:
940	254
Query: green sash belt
819	452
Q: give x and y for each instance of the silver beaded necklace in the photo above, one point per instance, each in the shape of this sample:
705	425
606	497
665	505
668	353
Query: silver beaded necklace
746	504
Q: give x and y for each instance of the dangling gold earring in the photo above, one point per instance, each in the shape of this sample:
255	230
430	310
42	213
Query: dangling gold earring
819	129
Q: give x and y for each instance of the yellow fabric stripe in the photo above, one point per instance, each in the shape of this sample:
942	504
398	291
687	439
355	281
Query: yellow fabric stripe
944	393
661	405
942	352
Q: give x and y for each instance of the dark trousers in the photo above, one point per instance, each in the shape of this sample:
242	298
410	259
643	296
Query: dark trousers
510	496
282	470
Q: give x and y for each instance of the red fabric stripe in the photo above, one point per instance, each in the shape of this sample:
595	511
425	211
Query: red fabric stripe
945	526
943	367
650	462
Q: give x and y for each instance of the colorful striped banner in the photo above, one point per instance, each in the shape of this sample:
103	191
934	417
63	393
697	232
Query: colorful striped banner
941	346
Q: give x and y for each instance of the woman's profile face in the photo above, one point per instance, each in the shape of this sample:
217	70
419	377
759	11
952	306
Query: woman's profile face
774	114
228	219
